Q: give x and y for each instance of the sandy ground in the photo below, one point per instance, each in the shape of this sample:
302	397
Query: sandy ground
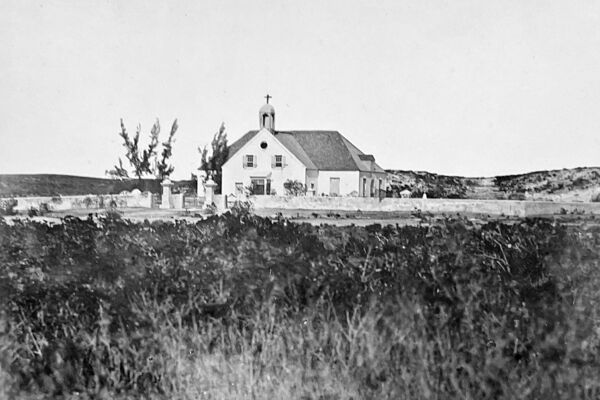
337	218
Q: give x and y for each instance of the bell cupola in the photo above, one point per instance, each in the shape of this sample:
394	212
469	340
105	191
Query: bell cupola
266	116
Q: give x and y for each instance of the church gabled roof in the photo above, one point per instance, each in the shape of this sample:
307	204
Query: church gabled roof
322	150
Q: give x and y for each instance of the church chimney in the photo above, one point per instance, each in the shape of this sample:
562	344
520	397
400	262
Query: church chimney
266	116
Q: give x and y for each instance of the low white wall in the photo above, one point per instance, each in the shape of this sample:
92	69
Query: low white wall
492	207
348	182
177	201
62	203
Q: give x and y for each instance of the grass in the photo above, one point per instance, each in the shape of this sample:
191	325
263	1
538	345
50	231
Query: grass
238	306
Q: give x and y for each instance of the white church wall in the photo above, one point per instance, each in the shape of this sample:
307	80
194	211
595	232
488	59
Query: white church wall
234	170
348	182
371	177
312	182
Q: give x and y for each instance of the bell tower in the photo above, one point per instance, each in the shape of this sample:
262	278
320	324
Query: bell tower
266	116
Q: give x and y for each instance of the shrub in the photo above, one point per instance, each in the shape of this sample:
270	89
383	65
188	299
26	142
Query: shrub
242	307
7	207
40	211
294	188
242	209
113	214
88	202
210	209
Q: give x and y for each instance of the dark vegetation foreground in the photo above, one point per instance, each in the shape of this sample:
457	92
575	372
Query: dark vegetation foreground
239	306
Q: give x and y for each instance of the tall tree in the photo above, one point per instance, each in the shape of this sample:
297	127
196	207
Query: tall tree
145	162
140	160
212	163
118	171
163	168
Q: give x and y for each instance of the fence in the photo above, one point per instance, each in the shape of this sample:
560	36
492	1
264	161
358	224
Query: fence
491	207
180	201
62	203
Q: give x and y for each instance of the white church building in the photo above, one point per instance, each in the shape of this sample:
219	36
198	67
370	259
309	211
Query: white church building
324	161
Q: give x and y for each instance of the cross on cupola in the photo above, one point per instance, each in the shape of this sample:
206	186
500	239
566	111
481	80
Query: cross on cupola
266	115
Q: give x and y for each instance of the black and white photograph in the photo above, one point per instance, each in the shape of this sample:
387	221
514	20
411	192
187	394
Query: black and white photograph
299	200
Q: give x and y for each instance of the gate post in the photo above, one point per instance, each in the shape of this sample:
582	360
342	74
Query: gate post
166	194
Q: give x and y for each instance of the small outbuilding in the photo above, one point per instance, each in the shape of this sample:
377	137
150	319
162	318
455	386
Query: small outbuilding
405	194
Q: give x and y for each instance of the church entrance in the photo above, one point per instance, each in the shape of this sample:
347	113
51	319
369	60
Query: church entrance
261	186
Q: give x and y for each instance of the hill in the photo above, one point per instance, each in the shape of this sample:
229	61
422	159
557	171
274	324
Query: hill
576	184
65	185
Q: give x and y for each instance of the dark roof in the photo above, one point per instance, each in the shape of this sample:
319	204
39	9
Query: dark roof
290	142
238	144
323	150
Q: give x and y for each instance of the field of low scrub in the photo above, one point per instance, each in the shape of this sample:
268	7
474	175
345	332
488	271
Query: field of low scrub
575	184
243	307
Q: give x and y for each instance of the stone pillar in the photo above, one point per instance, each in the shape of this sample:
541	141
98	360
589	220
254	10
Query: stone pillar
209	196
166	194
201	175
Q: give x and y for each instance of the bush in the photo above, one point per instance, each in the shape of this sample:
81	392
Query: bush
88	202
40	211
7	207
242	209
238	306
210	209
294	188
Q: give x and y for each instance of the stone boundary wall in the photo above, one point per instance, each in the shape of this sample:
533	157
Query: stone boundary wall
92	201
491	207
438	206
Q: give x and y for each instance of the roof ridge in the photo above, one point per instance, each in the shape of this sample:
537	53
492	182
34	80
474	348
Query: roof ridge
320	149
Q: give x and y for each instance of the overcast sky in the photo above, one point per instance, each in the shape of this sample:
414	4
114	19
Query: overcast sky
475	88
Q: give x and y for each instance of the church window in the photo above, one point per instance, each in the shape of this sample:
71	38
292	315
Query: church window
249	161
263	145
278	161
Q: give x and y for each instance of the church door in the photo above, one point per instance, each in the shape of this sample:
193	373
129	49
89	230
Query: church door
334	186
